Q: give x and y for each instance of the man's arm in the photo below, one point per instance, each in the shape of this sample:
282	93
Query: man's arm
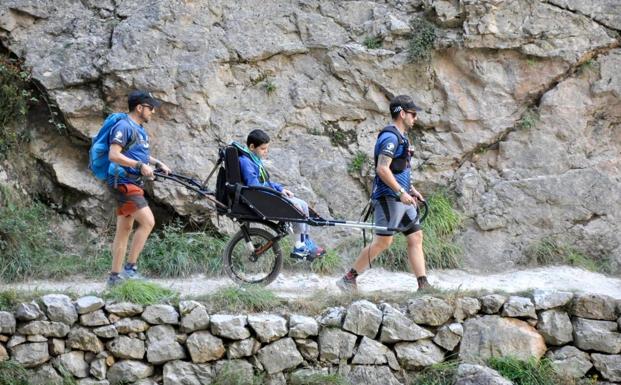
159	165
115	155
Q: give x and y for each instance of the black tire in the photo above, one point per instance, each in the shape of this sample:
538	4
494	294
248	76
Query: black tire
239	266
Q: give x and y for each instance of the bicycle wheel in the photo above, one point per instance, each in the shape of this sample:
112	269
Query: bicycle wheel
260	266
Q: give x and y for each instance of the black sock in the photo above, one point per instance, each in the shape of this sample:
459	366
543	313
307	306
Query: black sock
352	274
113	274
422	280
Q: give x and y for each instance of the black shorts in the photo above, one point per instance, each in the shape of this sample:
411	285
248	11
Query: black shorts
389	212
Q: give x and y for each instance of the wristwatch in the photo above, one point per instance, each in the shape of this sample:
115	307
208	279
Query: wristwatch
400	192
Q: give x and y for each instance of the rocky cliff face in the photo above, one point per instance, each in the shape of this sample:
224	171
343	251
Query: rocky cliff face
521	99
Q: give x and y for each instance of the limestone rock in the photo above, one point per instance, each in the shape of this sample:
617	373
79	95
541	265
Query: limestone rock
448	336
608	365
82	339
302	326
468	374
594	306
230	326
95	318
74	363
181	372
89	304
548	299
45	328
59	308
397	327
363	318
126	347
332	317
124	309
308	348
371	352
160	314
130	325
415	355
519	307
280	355
335	345
7	323
570	362
491	304
28	312
600	336
466	307
195	318
494	336
30	354
204	347
429	311
372	375
243	348
128	371
555	327
268	327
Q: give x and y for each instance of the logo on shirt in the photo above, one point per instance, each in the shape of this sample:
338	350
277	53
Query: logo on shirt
390	146
118	135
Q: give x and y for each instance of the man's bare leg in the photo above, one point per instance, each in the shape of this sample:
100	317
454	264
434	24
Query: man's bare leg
417	258
121	237
146	222
369	253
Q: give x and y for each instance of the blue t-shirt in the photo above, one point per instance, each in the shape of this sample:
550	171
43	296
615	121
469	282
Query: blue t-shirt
388	144
250	174
124	132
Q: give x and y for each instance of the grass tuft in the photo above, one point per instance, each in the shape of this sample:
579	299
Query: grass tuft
328	264
528	119
551	252
250	298
15	97
141	292
12	373
173	253
531	372
357	163
438	231
229	374
438	374
373	42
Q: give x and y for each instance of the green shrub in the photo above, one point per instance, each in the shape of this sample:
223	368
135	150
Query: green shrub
328	264
15	96
174	253
438	374
31	248
357	163
373	42
12	373
551	252
141	292
531	372
252	298
439	228
270	86
528	120
422	40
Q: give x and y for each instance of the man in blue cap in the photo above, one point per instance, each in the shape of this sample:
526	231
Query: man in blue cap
393	198
129	153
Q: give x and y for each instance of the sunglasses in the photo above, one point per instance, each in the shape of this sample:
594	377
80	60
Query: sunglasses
150	107
411	112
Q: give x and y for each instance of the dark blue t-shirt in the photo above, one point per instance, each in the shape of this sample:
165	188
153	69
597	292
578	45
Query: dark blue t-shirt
124	132
388	144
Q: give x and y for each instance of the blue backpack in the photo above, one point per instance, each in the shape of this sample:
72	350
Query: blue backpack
98	161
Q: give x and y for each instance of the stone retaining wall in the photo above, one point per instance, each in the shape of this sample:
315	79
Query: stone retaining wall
101	343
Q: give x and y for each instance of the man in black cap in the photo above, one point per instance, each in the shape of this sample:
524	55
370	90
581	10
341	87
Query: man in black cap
393	198
130	161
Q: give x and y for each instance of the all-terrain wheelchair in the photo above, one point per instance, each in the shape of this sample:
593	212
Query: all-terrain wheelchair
253	254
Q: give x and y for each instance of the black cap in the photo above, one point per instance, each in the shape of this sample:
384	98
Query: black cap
402	103
137	97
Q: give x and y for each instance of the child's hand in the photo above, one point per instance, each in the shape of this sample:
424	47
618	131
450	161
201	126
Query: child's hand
287	193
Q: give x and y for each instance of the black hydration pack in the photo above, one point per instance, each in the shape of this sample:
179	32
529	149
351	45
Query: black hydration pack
399	164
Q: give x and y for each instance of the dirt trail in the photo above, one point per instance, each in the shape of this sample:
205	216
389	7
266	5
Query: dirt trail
292	285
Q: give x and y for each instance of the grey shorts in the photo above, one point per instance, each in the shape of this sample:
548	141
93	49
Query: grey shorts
390	212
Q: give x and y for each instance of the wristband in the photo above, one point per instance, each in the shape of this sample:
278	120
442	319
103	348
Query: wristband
158	164
139	166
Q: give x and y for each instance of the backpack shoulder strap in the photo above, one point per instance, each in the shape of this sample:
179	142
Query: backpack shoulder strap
393	130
